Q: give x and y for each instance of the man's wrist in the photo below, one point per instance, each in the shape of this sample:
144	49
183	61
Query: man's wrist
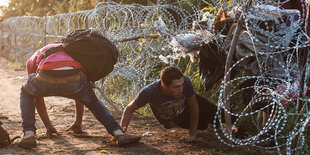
124	128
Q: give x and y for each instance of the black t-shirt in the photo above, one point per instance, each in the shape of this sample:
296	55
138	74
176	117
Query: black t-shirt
167	110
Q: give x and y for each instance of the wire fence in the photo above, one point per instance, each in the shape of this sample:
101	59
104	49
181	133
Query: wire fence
269	52
138	31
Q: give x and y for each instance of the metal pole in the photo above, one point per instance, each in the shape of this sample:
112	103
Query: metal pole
228	66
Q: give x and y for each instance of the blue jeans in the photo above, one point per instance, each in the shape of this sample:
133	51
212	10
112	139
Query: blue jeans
80	90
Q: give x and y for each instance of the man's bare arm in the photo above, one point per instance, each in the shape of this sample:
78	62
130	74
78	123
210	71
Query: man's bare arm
41	109
127	114
76	127
194	117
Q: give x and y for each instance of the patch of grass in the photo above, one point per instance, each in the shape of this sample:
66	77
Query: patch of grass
144	111
17	65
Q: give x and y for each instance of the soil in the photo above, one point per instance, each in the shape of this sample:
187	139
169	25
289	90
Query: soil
96	140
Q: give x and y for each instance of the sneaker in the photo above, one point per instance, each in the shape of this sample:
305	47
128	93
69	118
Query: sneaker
126	139
28	143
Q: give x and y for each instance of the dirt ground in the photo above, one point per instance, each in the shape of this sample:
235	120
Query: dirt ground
96	140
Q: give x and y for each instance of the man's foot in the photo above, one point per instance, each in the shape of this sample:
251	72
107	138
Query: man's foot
28	140
126	139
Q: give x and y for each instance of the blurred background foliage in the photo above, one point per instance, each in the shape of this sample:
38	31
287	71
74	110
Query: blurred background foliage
43	8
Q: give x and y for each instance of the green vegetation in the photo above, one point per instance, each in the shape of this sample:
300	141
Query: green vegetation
43	8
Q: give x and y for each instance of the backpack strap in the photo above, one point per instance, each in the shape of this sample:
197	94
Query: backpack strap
52	50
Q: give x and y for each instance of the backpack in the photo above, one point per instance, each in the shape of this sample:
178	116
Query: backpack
4	137
211	64
92	50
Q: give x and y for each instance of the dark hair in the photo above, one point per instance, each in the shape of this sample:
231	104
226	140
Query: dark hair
170	73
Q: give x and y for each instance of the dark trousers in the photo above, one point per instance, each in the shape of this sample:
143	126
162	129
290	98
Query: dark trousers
207	111
80	90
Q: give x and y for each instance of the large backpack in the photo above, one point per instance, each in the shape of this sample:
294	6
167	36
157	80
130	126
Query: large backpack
92	50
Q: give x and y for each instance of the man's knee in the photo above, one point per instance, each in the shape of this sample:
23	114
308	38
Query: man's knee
89	101
206	107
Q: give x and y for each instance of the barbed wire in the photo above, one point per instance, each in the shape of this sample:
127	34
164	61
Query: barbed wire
268	53
276	37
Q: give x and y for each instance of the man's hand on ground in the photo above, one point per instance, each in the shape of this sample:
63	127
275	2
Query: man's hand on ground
234	129
75	128
188	138
51	131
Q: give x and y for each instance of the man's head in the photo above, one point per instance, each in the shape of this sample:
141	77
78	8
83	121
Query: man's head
172	81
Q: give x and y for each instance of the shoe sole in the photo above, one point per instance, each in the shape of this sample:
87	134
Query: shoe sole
28	146
127	142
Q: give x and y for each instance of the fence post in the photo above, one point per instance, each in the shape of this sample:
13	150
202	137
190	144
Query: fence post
228	66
